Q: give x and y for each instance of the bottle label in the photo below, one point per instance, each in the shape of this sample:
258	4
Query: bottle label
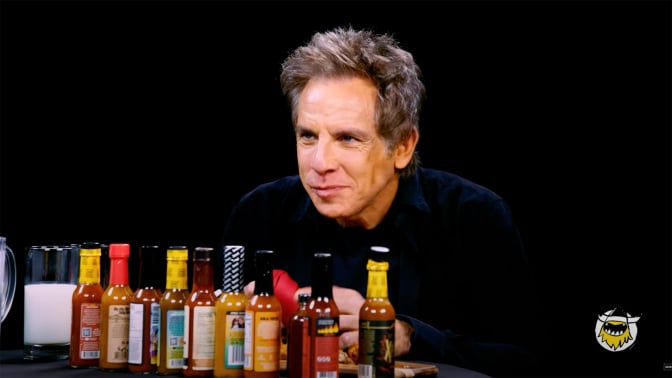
135	333
89	327
262	341
176	274
175	339
154	326
377	284
89	269
117	338
326	347
203	342
376	348
234	339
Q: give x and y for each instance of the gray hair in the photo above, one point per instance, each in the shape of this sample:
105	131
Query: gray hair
344	52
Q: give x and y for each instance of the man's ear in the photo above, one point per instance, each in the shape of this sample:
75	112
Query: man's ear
404	150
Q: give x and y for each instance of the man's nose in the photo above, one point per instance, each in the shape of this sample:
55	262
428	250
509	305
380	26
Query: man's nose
324	158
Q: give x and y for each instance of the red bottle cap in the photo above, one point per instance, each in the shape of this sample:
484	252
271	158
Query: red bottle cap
119	250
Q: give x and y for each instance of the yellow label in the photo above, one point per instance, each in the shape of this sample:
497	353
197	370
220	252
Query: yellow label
89	269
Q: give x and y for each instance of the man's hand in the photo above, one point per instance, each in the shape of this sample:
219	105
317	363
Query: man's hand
349	302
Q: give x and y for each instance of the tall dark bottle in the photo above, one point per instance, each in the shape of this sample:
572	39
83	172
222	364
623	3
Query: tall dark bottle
230	316
85	333
376	321
298	340
263	322
324	319
115	312
171	320
199	317
143	328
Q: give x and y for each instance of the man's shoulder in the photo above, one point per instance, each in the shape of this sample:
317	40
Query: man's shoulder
435	182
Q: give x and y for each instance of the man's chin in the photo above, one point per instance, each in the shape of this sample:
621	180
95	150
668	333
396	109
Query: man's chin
332	211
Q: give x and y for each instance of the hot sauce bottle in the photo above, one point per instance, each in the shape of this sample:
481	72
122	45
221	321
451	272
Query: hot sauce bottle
263	322
324	320
171	319
115	312
143	335
376	321
85	326
199	317
230	316
298	341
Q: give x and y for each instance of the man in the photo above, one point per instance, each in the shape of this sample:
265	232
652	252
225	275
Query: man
458	277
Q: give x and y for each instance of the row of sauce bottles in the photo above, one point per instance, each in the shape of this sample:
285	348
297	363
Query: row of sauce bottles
197	333
313	330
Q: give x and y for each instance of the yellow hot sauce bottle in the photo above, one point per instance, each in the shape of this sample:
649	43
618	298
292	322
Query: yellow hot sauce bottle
171	319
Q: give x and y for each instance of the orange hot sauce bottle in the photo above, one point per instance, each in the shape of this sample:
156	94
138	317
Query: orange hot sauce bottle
85	328
171	320
115	312
230	316
143	336
199	317
263	322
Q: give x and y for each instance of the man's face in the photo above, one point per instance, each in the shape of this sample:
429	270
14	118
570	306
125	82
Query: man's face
343	163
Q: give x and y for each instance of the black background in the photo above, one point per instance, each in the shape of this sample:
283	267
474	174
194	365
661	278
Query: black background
146	121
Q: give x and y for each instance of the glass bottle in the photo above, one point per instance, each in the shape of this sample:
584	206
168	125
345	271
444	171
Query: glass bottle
115	312
324	323
298	341
143	336
171	319
199	317
263	322
85	325
230	316
376	321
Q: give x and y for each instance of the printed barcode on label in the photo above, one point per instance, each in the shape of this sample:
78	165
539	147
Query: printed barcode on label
91	354
326	374
235	355
364	371
175	363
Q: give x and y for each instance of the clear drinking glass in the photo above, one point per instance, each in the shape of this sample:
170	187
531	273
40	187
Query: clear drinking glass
49	283
7	278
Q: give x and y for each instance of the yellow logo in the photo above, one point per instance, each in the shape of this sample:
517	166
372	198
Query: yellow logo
616	330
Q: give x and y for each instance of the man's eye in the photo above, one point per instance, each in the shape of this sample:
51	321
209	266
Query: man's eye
348	138
306	136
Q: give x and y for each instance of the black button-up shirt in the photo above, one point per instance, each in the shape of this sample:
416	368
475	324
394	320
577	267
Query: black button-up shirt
458	272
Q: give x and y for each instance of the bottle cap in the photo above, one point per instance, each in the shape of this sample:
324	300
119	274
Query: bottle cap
180	253
90	249
119	250
233	274
203	253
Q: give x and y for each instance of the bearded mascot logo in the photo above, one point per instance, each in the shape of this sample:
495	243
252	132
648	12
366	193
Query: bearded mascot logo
616	330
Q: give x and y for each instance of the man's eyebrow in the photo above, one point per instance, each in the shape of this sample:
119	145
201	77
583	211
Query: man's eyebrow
301	129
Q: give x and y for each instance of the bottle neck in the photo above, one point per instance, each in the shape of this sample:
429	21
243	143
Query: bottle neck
377	284
118	271
264	284
321	284
176	274
89	269
202	277
150	259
